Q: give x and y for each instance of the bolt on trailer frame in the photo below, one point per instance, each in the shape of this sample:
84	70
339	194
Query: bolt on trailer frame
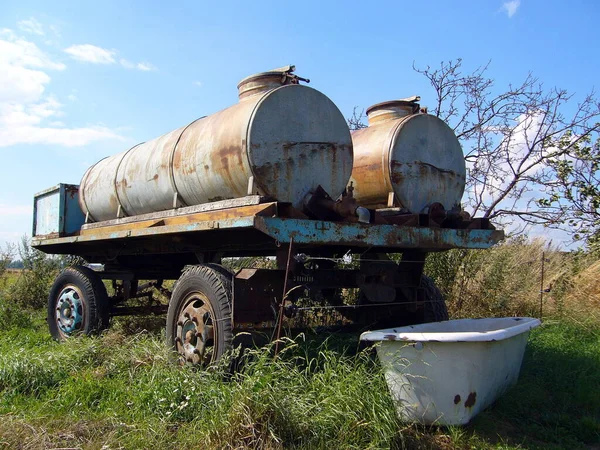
189	244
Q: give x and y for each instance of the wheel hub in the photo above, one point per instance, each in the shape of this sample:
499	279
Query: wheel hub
69	310
195	331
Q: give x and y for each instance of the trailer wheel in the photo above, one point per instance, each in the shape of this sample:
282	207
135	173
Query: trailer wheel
435	309
199	324
77	304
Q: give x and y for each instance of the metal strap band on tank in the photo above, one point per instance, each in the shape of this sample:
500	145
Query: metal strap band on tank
387	165
82	191
246	142
171	167
121	207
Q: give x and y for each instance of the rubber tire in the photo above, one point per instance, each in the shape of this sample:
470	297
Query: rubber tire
435	309
95	300
216	285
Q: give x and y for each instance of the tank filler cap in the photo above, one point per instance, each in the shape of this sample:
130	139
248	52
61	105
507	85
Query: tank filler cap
393	109
265	81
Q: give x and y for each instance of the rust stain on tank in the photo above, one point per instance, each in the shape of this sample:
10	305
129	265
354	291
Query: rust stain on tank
397	174
471	400
456	399
226	161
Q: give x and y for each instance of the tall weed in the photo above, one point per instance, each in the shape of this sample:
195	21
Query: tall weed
506	280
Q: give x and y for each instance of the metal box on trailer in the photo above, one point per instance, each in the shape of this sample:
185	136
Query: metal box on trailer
56	211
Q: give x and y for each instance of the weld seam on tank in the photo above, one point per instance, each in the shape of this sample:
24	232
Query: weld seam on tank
387	157
178	197
123	210
86	210
245	142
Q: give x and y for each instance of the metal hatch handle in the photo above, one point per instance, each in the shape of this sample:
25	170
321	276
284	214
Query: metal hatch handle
288	77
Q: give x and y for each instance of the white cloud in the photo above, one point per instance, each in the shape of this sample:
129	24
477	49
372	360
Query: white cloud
98	55
66	137
511	7
31	26
21	79
198	83
18	51
91	53
27	112
127	64
143	66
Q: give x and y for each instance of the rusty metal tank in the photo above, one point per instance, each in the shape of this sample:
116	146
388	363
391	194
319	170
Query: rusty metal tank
414	156
281	140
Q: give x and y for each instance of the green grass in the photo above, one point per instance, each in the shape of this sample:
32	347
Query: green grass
556	403
122	390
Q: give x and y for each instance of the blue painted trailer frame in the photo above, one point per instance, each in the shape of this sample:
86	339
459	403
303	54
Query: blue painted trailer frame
308	233
359	234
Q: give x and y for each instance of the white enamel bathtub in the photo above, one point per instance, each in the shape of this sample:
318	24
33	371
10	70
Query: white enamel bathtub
447	372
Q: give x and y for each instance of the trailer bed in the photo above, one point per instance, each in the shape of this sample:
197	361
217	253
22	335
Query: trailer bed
252	229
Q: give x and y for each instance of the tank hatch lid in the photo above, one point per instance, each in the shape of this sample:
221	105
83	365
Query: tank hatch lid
393	109
264	81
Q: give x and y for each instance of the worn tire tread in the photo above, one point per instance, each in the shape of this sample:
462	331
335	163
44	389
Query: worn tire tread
435	310
96	299
217	279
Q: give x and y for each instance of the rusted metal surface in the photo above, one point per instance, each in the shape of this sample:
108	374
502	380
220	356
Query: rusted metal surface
255	228
393	109
265	81
195	331
267	209
289	138
56	211
415	156
256	293
316	232
249	200
284	296
471	399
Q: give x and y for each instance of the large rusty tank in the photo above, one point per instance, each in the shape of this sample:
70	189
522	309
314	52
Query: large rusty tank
406	159
281	140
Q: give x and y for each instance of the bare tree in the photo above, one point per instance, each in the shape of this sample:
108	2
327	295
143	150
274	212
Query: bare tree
510	140
356	121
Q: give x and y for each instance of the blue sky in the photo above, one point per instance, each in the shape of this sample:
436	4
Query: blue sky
83	80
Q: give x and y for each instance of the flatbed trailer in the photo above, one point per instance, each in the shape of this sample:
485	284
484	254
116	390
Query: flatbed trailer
209	302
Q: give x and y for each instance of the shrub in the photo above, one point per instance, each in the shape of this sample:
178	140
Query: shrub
6	256
31	288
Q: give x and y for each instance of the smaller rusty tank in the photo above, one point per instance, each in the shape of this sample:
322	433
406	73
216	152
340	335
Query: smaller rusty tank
414	156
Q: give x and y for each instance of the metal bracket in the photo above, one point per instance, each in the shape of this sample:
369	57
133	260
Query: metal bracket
391	199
